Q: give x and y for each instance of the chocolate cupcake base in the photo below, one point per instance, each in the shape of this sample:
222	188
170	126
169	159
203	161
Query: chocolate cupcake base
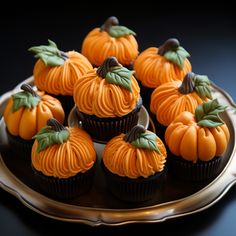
67	103
160	129
146	93
189	171
20	147
104	129
65	189
134	190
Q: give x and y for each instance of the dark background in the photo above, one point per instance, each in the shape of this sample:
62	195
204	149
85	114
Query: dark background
209	35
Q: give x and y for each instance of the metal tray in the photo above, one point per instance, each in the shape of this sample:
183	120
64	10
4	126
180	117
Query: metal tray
99	207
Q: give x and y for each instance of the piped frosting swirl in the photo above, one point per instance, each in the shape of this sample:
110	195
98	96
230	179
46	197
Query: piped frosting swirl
75	155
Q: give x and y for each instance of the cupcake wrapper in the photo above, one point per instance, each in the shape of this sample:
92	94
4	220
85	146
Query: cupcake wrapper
190	171
20	147
103	129
146	93
65	189
134	190
67	103
160	129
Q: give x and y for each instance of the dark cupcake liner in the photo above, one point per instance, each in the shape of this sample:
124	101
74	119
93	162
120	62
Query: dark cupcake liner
146	93
134	190
65	189
160	129
67	103
19	146
103	129
189	171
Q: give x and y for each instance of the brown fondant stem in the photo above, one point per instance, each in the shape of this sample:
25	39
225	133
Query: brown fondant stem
29	89
134	133
169	45
64	55
111	21
187	85
106	66
55	125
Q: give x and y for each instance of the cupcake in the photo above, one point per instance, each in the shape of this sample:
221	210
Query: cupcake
197	142
63	160
111	39
170	99
56	72
107	100
156	66
134	165
26	113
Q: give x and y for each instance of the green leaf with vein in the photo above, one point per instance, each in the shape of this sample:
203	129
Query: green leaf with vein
24	99
49	54
207	114
177	57
120	76
120	31
147	140
47	137
202	86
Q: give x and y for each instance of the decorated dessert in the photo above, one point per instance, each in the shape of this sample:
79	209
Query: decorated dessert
170	99
26	113
56	72
156	66
111	39
134	164
63	160
108	100
197	142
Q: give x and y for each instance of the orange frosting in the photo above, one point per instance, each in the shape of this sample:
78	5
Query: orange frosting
167	102
61	79
153	69
94	96
124	159
98	45
27	122
75	155
192	142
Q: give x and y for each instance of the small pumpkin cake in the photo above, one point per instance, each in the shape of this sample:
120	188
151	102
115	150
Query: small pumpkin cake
197	142
134	164
111	39
63	160
26	113
108	100
170	99
56	72
156	66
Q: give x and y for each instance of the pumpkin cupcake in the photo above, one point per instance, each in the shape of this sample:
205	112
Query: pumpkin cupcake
156	66
170	99
63	160
108	100
56	72
111	39
26	113
197	142
134	164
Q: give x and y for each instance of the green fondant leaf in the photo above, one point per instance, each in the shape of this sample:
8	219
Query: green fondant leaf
202	86
207	114
178	56
24	99
50	54
47	137
147	140
120	31
120	76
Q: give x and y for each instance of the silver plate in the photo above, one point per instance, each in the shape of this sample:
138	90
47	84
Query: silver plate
98	211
